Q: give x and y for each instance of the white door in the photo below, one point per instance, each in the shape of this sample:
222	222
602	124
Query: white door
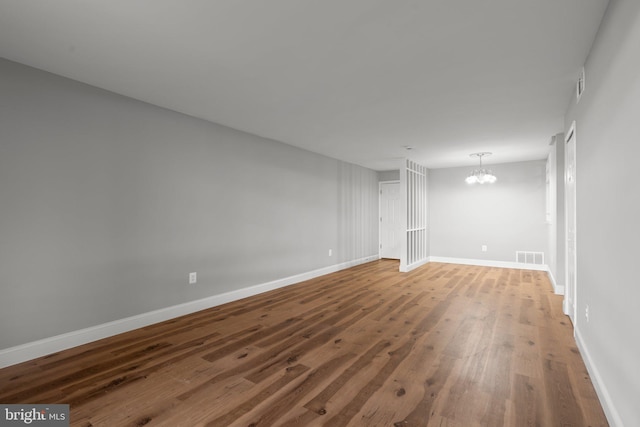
390	226
570	218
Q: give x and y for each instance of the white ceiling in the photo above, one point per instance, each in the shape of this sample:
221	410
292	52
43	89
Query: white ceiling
352	79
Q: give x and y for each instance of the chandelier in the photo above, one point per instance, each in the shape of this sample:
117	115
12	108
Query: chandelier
481	175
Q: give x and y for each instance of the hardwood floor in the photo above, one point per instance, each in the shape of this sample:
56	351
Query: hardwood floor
444	345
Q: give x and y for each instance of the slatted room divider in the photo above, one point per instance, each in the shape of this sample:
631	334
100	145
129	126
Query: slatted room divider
413	183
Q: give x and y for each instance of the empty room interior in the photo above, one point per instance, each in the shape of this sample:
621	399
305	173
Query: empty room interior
305	213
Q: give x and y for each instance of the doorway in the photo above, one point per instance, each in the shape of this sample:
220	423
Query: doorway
390	224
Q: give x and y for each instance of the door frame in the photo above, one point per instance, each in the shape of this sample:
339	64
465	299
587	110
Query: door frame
571	289
380	184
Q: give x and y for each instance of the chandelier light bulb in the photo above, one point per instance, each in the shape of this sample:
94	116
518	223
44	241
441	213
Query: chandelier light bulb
481	175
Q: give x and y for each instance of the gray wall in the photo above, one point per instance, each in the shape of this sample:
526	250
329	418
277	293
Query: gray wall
393	175
507	216
556	224
107	203
608	207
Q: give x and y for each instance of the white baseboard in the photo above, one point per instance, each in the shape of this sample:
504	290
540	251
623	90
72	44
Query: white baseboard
22	353
557	289
490	263
601	390
408	268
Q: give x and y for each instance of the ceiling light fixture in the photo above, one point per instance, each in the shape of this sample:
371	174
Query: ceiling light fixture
481	175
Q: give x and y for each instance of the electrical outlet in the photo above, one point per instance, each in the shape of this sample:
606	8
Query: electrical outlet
193	278
484	248
330	252
586	312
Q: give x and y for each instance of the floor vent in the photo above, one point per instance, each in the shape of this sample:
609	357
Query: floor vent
527	257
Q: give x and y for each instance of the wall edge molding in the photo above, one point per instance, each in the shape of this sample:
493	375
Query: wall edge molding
28	351
601	390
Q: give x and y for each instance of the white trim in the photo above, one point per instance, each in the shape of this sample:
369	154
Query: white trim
22	353
490	263
574	289
417	229
416	171
408	268
613	417
557	289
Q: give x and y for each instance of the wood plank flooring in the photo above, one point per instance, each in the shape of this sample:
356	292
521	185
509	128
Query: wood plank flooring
444	345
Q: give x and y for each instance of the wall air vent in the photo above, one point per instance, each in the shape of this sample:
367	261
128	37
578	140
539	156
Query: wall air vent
527	257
